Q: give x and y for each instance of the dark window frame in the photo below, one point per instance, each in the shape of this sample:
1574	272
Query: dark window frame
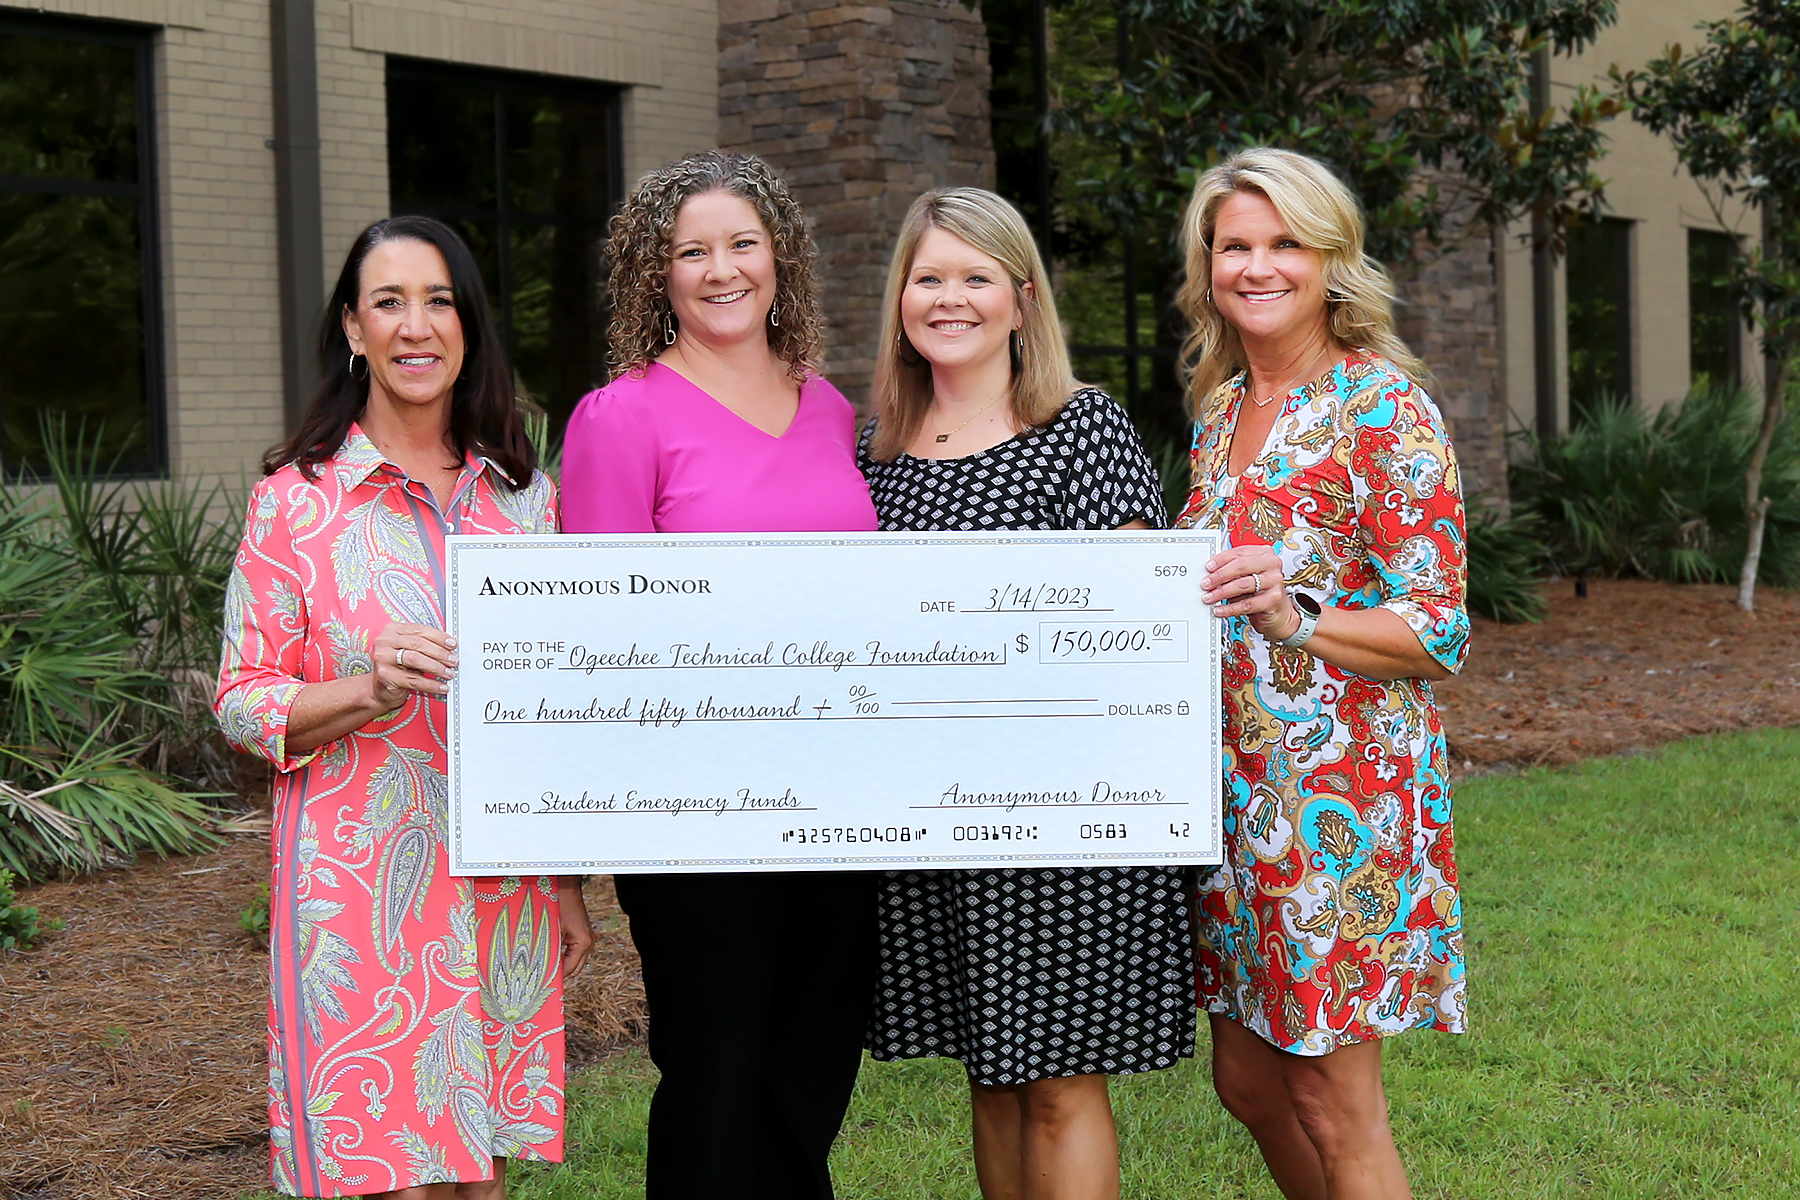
147	192
504	217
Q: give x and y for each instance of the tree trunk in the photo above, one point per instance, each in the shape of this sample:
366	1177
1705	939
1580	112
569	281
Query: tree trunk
1756	505
1776	353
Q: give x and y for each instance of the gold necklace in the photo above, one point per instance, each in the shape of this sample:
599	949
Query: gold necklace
944	437
1307	375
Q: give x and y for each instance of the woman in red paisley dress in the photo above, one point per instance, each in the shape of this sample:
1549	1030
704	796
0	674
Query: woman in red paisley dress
1335	920
415	1017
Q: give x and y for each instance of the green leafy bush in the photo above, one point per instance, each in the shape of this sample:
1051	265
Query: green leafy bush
1661	495
1506	560
20	928
109	601
254	921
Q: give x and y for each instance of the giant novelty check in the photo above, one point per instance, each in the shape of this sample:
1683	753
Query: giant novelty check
832	701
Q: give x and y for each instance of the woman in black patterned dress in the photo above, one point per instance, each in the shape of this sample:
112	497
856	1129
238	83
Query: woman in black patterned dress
1041	982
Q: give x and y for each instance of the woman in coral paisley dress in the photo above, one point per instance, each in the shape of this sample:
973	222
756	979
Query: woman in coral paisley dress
1335	920
415	1018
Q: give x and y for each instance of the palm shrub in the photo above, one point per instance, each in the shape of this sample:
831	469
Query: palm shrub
108	627
1506	560
1660	495
160	554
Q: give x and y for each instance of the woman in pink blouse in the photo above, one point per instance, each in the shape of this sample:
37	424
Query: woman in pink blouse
717	421
415	1018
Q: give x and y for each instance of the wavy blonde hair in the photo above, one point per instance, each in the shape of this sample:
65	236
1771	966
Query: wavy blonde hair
1323	214
1042	379
638	259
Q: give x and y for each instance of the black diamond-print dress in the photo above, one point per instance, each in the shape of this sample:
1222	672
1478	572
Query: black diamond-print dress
1038	974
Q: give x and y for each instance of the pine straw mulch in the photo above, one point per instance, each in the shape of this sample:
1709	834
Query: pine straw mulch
1633	665
131	1044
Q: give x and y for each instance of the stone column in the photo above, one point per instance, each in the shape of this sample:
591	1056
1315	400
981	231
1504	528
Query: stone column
861	107
1449	316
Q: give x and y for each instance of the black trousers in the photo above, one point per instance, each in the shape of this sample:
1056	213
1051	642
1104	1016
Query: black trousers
759	988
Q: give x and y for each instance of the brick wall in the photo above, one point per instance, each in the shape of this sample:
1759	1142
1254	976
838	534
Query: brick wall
1448	317
861	107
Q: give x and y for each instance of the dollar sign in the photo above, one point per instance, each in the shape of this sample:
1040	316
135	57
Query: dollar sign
1022	643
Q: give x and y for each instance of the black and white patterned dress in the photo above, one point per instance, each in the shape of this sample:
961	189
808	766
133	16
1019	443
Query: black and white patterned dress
1036	974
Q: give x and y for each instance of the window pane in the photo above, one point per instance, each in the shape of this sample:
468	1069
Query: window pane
1715	328
1599	287
440	144
559	154
68	109
483	243
559	350
1014	100
71	325
533	208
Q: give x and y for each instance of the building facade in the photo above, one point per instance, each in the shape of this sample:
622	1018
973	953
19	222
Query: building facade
203	165
519	122
1636	311
179	180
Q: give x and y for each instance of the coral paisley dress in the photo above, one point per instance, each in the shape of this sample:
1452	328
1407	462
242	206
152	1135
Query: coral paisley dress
415	1019
1335	917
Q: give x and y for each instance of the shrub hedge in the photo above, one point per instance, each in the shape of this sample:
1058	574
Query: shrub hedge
110	594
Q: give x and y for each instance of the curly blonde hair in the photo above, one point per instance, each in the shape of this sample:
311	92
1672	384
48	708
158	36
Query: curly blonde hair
1042	380
1324	215
638	260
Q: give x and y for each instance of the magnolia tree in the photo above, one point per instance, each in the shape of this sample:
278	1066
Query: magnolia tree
1424	108
1732	110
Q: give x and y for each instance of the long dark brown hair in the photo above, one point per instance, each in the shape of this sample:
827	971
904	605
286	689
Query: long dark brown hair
484	413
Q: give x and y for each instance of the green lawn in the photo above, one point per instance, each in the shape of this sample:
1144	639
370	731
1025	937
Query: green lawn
1634	993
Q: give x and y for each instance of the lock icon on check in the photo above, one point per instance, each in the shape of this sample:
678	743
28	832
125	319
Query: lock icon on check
1182	709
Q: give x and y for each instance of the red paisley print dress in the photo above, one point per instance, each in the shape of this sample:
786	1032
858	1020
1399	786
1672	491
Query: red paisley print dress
1335	917
415	1018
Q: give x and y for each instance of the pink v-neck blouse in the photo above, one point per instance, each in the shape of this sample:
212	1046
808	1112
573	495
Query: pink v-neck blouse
653	453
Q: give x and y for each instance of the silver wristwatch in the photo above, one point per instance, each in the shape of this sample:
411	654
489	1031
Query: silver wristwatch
1308	608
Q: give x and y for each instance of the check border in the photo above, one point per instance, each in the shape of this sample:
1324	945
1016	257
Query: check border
457	545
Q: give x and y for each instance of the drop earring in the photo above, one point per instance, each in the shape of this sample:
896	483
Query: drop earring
900	352
775	314
668	330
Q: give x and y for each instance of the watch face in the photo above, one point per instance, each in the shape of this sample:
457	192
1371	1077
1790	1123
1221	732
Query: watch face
1306	604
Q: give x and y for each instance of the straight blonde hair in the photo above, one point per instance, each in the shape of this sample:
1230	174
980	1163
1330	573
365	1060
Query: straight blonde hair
1042	379
1323	214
